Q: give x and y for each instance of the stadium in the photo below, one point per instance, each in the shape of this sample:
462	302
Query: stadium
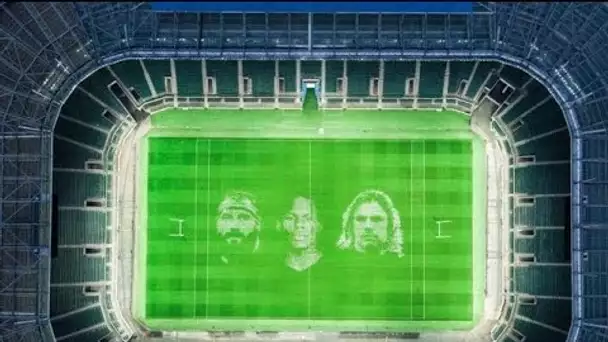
300	175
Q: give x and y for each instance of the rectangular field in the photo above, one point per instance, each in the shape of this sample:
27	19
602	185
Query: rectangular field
219	253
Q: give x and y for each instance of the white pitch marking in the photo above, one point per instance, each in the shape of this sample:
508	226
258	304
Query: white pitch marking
439	223
180	227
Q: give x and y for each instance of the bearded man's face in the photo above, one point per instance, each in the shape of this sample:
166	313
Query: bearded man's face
236	225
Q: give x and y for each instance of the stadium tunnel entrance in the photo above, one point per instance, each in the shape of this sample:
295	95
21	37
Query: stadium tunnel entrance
310	97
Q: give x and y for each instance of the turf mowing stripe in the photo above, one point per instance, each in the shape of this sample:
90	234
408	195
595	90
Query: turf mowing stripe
418	229
411	230
195	223
310	197
423	232
208	228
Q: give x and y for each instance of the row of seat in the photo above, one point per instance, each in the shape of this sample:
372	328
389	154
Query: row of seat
189	75
81	132
540	183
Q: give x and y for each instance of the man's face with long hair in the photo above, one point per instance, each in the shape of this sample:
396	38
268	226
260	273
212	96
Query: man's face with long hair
370	226
236	225
301	223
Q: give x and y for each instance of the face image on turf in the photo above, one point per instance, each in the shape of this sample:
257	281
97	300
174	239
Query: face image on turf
301	224
371	225
238	223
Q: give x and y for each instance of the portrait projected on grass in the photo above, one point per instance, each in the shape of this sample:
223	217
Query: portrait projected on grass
301	225
371	225
238	225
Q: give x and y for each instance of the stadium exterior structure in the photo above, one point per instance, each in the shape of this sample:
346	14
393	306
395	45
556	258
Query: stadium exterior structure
48	48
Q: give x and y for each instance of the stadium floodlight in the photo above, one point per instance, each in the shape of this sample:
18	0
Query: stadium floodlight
439	235
180	227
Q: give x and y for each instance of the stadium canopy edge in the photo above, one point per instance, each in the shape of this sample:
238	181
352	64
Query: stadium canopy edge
315	7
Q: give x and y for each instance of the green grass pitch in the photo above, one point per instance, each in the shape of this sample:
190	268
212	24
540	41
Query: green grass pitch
428	283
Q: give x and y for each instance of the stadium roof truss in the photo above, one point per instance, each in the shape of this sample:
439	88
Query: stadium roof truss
47	48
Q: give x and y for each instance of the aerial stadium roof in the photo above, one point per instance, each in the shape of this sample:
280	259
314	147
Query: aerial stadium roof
46	48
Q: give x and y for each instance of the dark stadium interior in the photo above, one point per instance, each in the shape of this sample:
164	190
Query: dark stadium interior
76	77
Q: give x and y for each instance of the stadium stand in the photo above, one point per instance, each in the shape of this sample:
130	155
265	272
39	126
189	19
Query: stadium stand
478	77
225	75
556	286
544	182
159	71
287	71
98	85
132	73
432	75
189	78
395	79
359	76
261	75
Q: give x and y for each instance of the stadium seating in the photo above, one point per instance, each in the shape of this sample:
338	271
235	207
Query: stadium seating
97	85
333	71
395	75
72	156
515	77
72	266
459	71
80	136
539	130
89	318
546	212
554	312
287	70
68	299
132	74
554	179
78	187
310	69
536	123
261	74
431	85
189	78
542	280
542	118
226	77
533	94
158	70
479	77
82	107
359	76
96	333
531	329
84	134
547	246
545	148
81	227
